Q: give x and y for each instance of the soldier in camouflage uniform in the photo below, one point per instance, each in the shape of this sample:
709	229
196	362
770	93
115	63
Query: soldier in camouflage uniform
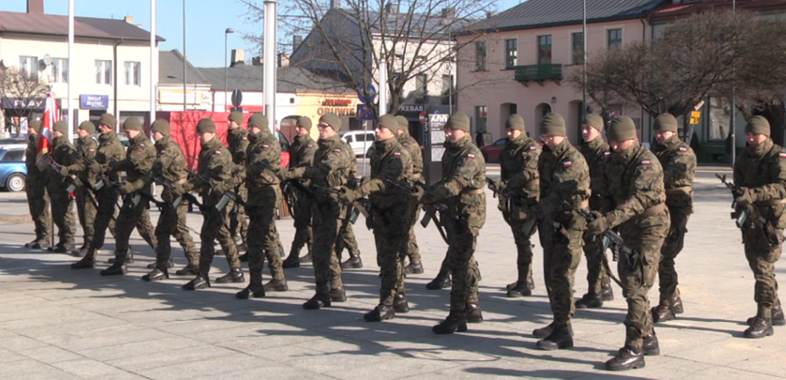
519	176
564	178
86	204
35	187
416	157
213	180
760	176
633	203
301	156
140	156
170	166
263	158
333	163
461	189
237	138
595	150
679	166
390	216
350	242
63	153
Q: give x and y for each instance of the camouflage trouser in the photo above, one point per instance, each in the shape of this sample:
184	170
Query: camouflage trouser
327	213
237	216
671	248
214	227
350	242
87	210
302	217
130	217
260	239
172	222
390	258
645	238
762	255
463	235
596	273
413	251
62	213
523	249
38	201
561	257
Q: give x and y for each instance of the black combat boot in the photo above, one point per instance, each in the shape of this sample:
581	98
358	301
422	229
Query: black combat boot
589	301
472	313
118	267
760	328
65	248
306	259
442	281
291	261
199	282
627	358
380	313
400	304
338	295
317	302
454	322
41	244
243	258
87	262
530	284
277	285
777	317
235	275
31	244
518	289
415	267
606	292
81	252
544	332
157	274
676	305
559	338
662	313
129	259
189	270
650	345
55	247
353	262
254	289
169	264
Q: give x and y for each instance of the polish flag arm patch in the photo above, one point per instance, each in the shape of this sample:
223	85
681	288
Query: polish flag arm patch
782	155
533	147
683	149
567	164
337	150
470	155
218	152
606	154
397	154
645	162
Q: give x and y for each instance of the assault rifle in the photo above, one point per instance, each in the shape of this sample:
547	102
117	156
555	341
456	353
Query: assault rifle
168	185
510	196
742	215
355	208
69	180
611	238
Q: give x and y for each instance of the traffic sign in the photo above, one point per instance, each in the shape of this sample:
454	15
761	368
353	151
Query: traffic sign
695	117
371	91
237	98
422	117
364	113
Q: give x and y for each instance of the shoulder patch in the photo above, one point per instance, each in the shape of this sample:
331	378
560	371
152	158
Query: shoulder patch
337	150
218	152
684	149
533	147
310	146
567	164
470	155
606	154
108	143
163	152
645	162
405	144
782	155
245	138
92	150
397	154
265	146
142	145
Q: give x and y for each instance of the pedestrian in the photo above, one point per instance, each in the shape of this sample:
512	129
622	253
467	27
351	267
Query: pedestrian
633	203
412	147
301	155
62	154
35	187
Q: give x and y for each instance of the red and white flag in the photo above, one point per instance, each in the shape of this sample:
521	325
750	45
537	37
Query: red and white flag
51	116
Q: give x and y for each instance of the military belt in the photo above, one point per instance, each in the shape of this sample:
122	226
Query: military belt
683	189
652	211
773	202
472	191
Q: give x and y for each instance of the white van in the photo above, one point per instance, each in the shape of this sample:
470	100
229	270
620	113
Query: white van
357	139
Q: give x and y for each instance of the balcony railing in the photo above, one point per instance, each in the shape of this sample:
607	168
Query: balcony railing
539	73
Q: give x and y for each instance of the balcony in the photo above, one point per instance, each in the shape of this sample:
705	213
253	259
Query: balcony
539	73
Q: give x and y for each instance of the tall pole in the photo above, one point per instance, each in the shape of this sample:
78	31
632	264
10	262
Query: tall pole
226	34
153	71
583	112
184	57
732	110
383	87
270	63
70	91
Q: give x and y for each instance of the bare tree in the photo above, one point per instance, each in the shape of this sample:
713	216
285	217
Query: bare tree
24	89
349	44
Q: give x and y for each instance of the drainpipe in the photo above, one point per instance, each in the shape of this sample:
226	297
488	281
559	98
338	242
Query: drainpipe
115	80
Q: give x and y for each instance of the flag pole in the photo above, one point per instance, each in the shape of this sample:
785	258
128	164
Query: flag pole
70	91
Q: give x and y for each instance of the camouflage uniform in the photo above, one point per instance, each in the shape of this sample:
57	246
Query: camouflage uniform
594	153
63	153
519	175
679	166
302	156
37	195
350	242
238	145
416	157
86	204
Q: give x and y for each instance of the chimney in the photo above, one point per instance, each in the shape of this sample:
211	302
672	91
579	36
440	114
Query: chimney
334	4
391	8
35	6
129	19
449	13
296	41
238	57
256	61
490	14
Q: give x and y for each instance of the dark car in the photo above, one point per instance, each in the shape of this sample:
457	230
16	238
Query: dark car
13	171
491	152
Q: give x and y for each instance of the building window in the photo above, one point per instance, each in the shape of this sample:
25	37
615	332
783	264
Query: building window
718	119
514	108
133	74
511	53
480	55
544	50
60	70
481	114
578	48
103	72
447	89
28	66
615	38
421	87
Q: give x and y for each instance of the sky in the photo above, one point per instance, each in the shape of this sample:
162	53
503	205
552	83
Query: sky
206	21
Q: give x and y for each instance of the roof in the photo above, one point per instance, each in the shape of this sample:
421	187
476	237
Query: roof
250	78
432	22
170	69
545	13
669	11
57	25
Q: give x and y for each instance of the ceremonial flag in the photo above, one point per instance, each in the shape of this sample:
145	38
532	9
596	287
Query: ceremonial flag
51	116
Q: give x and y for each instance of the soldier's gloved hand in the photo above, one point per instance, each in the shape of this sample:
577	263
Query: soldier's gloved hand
496	183
419	192
538	211
168	196
427	198
348	195
126	188
599	225
284	175
744	196
64	171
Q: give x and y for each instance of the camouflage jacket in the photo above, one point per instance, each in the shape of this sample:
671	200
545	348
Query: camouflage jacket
389	161
214	172
415	154
564	176
64	154
264	147
632	183
462	182
140	156
595	153
85	150
31	157
519	166
170	163
109	150
762	169
301	153
679	167
334	163
238	145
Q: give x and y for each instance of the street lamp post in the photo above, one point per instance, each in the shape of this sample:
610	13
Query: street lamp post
226	67
583	112
184	57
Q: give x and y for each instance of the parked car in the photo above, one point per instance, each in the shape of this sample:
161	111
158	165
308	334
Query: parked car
284	149
13	172
357	140
13	142
491	152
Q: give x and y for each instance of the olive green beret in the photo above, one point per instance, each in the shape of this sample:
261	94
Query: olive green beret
332	120
515	122
257	120
304	122
236	116
758	124
595	121
108	119
458	121
403	123
132	124
388	121
61	127
206	125
553	125
665	122
34	124
88	126
162	126
621	129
